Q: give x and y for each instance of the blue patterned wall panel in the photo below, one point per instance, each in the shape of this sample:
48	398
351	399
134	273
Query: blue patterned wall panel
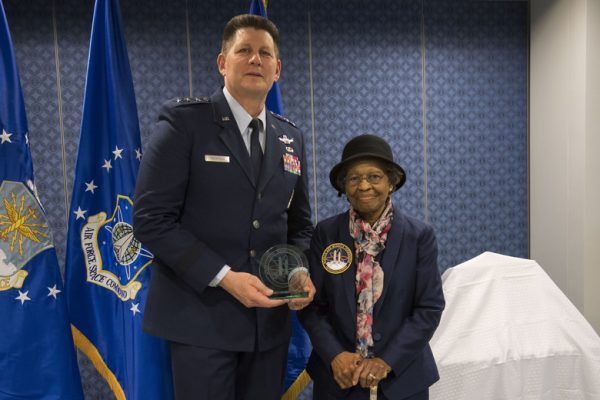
476	79
156	41
207	20
73	24
292	20
367	79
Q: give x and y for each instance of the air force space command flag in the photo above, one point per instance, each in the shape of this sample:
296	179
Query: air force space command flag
107	268
37	357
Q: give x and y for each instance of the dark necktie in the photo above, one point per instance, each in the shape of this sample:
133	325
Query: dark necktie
255	150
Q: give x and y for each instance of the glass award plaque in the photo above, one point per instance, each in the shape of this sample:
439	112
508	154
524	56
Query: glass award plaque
284	268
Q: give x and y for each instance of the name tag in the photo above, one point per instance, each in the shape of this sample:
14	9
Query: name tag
215	158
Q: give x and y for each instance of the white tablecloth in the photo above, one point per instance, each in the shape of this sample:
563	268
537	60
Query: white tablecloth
508	332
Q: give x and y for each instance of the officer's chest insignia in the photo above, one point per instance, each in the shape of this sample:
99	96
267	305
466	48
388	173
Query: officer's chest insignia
285	140
289	149
336	258
225	118
291	164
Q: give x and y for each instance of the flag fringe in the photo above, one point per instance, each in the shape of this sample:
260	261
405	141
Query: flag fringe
84	344
297	387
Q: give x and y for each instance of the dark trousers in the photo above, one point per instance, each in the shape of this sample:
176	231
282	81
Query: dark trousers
208	374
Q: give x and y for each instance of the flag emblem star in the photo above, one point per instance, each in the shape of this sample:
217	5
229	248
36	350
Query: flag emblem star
107	165
80	213
138	154
135	308
53	291
89	186
22	297
117	152
5	137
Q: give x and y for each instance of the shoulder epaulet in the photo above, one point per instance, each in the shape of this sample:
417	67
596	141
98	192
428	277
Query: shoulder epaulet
179	101
284	119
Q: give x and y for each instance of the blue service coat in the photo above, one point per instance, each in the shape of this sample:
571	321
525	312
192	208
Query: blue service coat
404	318
197	208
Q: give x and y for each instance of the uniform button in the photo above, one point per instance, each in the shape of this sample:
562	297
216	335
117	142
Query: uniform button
259	196
256	224
376	337
252	253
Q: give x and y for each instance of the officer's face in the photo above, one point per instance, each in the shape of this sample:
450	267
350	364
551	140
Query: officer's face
249	65
367	187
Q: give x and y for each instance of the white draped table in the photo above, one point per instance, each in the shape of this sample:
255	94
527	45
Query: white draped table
509	333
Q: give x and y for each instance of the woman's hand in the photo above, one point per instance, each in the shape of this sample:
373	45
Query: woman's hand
300	281
371	372
344	367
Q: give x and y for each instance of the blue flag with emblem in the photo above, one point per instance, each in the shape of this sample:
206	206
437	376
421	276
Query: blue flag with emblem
37	357
299	349
107	268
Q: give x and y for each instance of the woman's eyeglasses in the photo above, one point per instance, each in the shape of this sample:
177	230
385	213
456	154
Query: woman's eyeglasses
355	180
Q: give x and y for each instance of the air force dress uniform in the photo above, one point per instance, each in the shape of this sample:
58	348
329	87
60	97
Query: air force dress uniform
199	207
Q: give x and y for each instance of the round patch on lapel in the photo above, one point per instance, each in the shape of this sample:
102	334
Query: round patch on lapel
336	258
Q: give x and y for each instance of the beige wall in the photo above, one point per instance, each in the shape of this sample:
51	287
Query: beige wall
592	159
564	148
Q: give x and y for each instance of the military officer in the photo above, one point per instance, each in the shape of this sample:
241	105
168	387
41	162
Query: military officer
223	180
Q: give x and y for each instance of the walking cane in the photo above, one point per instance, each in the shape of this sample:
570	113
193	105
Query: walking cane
373	393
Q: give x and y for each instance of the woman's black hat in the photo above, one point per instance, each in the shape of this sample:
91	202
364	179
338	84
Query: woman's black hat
364	147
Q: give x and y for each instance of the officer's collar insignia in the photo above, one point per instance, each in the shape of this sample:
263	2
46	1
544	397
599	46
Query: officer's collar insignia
336	258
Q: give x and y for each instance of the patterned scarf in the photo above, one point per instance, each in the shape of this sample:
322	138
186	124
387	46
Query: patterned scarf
369	241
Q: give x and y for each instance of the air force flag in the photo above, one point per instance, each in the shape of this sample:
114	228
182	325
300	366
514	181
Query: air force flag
107	269
37	357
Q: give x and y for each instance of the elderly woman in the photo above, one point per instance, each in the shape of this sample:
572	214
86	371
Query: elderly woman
379	294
